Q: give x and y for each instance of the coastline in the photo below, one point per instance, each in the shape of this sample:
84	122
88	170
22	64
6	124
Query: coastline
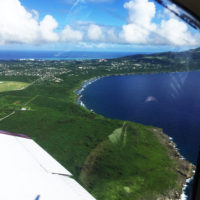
184	168
82	87
79	89
183	195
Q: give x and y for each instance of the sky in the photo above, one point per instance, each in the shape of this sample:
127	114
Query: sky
92	25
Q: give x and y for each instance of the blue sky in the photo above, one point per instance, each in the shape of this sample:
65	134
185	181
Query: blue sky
92	25
67	11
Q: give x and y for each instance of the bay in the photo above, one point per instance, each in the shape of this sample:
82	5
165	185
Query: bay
167	100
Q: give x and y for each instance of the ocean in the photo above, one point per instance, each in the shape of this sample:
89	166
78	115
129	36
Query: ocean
60	55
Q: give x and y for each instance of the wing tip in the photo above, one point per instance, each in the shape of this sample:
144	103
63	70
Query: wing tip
14	134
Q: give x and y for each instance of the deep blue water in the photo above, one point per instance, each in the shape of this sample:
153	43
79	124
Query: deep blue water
56	55
167	100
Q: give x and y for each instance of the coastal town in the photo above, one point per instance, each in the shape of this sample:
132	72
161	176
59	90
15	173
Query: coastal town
51	69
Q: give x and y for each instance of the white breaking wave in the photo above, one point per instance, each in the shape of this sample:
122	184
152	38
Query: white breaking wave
84	85
82	104
175	146
183	195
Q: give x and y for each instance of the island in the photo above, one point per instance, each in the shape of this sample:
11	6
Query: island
112	159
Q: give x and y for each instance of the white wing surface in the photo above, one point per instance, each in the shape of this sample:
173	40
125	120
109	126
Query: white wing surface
27	172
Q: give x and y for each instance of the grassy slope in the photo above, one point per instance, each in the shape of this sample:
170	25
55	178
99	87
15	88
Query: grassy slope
134	169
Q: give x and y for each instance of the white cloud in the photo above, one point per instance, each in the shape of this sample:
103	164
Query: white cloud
142	30
140	12
17	25
47	27
174	31
95	33
177	33
134	34
140	26
68	35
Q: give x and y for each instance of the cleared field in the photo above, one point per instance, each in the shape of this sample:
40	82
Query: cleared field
12	85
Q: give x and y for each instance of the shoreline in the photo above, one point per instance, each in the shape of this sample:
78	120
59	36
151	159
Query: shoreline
188	181
82	87
184	169
78	90
186	176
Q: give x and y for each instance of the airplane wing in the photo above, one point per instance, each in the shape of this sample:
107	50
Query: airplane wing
28	172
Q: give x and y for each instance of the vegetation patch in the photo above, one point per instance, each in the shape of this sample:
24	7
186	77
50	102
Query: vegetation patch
12	85
129	164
